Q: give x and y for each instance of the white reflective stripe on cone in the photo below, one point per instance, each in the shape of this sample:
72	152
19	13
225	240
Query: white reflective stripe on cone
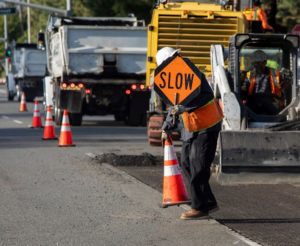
65	128
169	153
66	120
36	113
172	170
49	122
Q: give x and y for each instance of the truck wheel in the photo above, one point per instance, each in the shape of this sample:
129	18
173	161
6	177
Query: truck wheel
120	116
134	119
19	93
10	96
75	119
58	113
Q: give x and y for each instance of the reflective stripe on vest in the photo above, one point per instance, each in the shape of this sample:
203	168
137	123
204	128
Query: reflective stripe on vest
202	118
275	87
257	14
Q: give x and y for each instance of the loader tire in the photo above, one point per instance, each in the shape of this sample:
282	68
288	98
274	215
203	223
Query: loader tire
75	119
154	133
154	130
154	142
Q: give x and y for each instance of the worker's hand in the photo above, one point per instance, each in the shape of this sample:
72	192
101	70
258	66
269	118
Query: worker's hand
178	109
164	135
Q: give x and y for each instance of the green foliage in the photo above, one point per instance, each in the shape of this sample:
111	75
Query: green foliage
17	23
288	13
141	8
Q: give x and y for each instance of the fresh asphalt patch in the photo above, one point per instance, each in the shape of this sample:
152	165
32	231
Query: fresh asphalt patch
266	214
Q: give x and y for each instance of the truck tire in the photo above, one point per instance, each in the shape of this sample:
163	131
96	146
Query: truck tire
120	116
75	119
10	96
58	114
19	93
133	119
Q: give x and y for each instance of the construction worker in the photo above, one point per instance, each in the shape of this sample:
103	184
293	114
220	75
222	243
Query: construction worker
258	14
262	86
199	123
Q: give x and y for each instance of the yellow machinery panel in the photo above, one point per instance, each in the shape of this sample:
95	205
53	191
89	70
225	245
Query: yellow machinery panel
191	27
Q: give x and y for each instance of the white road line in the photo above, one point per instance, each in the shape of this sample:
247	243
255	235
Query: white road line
5	117
18	121
2	91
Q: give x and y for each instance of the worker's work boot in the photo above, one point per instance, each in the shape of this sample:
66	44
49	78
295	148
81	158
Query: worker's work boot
194	214
213	207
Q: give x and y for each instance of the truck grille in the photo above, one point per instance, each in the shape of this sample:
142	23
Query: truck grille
194	35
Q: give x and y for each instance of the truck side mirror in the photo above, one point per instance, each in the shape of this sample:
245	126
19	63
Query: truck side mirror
41	40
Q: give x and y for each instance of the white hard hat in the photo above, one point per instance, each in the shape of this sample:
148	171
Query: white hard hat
259	56
164	54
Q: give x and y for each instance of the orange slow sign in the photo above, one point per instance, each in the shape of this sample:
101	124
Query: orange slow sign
177	79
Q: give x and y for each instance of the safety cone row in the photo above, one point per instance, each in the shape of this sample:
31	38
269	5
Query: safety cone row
49	130
36	119
65	138
23	106
174	190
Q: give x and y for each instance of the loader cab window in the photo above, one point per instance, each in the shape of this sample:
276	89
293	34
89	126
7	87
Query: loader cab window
262	86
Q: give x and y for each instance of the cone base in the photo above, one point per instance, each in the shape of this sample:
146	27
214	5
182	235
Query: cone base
50	138
36	127
69	145
168	204
23	110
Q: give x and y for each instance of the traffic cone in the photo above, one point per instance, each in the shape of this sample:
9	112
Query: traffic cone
49	131
65	138
36	119
23	106
174	191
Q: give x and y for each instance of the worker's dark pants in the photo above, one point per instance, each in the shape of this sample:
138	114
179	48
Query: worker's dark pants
196	159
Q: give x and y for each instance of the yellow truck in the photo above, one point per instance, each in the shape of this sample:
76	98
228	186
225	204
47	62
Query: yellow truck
192	27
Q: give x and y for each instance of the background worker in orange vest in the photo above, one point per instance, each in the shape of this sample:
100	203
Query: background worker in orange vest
258	14
199	142
261	86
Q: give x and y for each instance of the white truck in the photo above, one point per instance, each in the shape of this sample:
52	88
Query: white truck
97	67
26	73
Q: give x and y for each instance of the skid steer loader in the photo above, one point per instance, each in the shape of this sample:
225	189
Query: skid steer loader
256	147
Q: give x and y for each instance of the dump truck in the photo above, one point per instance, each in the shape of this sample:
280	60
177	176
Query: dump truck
255	146
97	67
27	70
192	27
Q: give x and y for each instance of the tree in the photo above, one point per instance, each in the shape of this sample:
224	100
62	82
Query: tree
288	13
140	8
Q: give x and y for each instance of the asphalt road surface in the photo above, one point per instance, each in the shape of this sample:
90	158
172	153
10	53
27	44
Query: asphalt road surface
63	196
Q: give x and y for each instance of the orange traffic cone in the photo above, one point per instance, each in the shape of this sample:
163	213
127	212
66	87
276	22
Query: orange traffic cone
23	106
65	138
36	119
49	131
174	191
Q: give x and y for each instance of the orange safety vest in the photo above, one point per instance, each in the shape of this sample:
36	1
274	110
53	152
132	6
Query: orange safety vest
274	84
257	14
203	117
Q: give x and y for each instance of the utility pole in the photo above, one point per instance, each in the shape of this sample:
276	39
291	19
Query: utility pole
69	7
5	41
28	24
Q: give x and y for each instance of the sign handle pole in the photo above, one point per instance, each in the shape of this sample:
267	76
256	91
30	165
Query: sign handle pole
175	103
